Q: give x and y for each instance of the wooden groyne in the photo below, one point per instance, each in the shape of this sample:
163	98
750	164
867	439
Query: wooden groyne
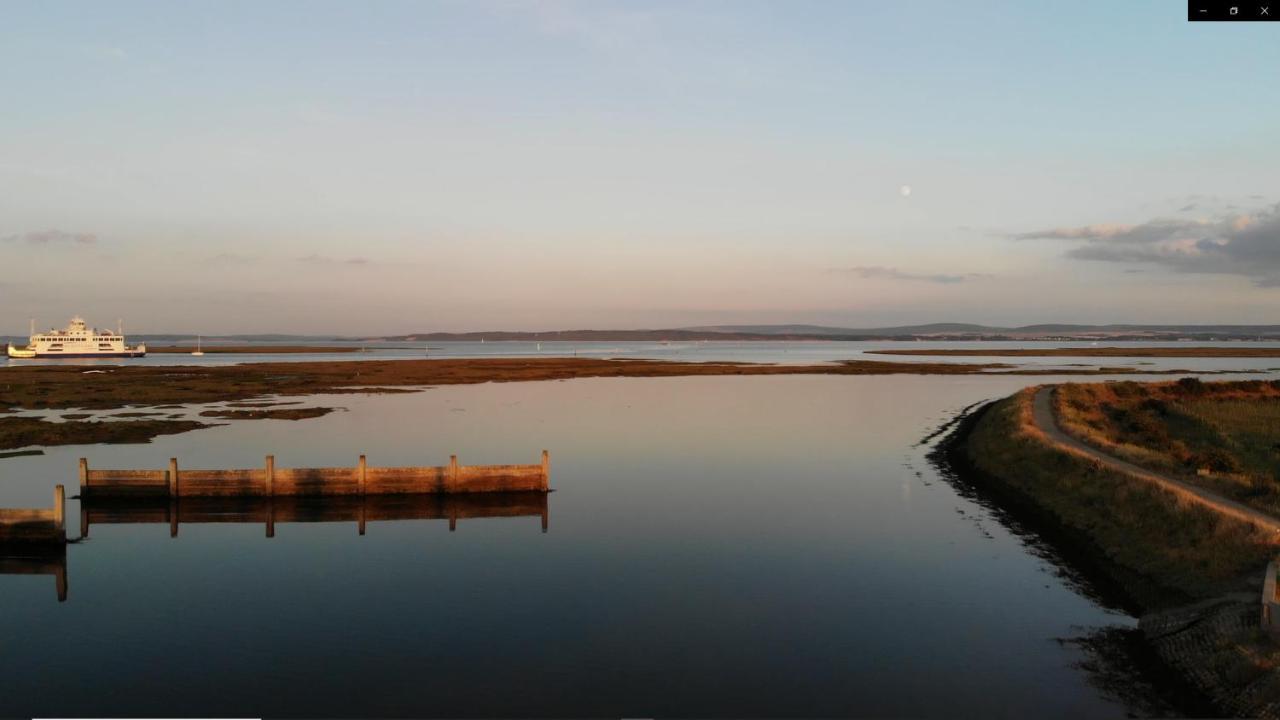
272	481
50	558
22	526
270	512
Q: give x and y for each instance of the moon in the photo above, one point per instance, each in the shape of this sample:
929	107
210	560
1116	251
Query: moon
905	191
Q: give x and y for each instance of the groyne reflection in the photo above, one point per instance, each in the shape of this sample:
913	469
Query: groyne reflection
51	559
38	560
270	511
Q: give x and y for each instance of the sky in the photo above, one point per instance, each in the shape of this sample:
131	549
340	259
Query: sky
387	167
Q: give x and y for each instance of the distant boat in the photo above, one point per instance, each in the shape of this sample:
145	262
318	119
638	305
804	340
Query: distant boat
77	340
198	352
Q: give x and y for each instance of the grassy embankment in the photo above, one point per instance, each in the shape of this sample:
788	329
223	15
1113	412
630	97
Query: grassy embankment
1224	437
1162	551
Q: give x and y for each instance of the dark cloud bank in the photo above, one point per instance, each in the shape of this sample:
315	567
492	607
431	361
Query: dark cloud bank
1245	245
51	237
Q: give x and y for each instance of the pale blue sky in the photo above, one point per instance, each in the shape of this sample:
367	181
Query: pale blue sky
404	166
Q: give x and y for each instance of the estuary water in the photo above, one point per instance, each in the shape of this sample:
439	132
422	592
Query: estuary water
714	546
778	351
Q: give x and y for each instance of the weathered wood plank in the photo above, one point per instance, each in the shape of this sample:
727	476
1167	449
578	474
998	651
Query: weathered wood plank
323	481
17	515
134	477
125	490
254	475
31	531
246	483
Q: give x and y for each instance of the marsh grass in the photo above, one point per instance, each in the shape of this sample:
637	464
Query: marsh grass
1224	436
1162	549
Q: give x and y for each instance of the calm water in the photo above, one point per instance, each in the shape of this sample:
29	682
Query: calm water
766	546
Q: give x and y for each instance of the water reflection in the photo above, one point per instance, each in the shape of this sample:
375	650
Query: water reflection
765	546
37	560
270	511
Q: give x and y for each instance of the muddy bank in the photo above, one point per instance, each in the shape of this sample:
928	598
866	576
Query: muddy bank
16	432
1174	352
272	414
142	388
67	386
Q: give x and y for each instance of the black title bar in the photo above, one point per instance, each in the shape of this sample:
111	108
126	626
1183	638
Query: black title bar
1233	10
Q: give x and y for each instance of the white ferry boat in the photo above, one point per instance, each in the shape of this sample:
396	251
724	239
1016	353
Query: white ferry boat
77	341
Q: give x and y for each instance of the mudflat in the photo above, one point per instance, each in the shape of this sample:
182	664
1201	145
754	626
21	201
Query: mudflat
65	386
1180	352
38	387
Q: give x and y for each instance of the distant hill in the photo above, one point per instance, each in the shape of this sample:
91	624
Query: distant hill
931	329
1050	330
680	334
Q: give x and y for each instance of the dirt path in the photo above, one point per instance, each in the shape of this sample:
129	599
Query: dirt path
1042	411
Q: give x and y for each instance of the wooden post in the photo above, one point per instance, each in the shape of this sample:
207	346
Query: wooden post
271	517
361	472
453	521
362	513
60	510
451	484
84	521
84	476
546	518
546	471
173	518
270	487
173	477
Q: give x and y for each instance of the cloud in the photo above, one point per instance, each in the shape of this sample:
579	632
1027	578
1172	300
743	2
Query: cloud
888	273
1242	244
52	237
315	259
228	258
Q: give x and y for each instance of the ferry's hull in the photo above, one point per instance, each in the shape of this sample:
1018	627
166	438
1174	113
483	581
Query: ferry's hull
81	356
23	354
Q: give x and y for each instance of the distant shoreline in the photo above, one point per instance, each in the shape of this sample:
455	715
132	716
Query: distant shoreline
251	349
